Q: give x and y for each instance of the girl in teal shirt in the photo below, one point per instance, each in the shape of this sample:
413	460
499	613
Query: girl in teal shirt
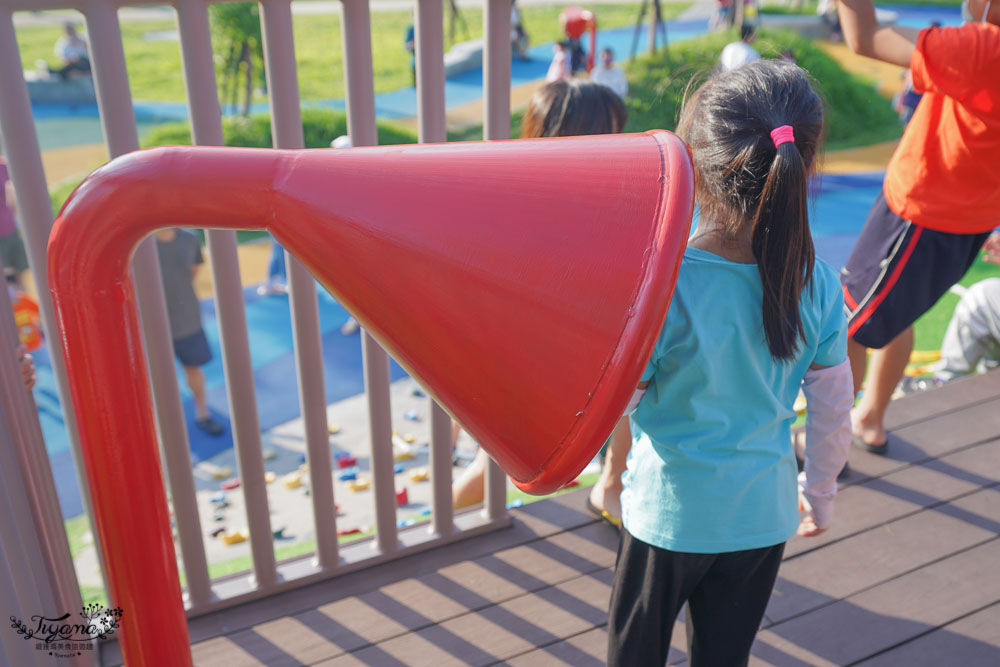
710	492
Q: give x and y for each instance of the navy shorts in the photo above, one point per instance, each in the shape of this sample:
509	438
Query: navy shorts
897	271
193	351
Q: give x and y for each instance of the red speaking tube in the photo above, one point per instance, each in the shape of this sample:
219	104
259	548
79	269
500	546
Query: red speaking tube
523	282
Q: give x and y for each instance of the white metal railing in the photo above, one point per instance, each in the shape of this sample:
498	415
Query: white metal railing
118	120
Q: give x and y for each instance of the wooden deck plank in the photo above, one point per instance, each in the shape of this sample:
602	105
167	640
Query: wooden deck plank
286	642
863	625
877	555
504	630
223	651
879	500
973	640
587	649
931	439
394	610
941	402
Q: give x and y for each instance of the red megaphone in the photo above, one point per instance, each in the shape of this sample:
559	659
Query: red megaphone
523	282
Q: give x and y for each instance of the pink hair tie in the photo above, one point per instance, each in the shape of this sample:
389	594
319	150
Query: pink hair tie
783	134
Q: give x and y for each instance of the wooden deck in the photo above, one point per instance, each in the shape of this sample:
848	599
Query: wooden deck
908	575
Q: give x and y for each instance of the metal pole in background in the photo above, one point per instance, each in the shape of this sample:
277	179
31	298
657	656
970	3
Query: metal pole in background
206	128
432	128
359	79
35	213
34	549
286	126
229	307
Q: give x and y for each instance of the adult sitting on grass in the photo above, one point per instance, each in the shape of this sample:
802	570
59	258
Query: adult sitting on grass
71	49
940	199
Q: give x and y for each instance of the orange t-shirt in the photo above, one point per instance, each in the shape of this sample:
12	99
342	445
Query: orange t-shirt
945	174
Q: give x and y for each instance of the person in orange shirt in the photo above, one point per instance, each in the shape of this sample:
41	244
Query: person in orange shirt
940	198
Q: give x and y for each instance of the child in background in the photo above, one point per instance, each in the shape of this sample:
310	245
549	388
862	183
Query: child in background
940	199
559	67
608	74
180	258
710	491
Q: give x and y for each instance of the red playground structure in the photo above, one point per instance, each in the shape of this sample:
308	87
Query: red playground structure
547	302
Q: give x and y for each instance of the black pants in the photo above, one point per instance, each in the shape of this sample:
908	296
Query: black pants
726	595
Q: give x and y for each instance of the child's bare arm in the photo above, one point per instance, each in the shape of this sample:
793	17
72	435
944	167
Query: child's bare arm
27	367
893	45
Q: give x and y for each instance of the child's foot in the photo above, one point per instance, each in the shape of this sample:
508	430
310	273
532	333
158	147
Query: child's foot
605	501
210	426
867	436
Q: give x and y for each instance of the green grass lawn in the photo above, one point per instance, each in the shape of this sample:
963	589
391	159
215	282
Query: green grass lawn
856	115
155	68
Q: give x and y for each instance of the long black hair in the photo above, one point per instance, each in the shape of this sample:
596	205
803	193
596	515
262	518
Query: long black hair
743	179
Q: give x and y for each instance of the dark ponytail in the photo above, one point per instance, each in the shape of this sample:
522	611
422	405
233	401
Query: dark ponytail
782	245
744	179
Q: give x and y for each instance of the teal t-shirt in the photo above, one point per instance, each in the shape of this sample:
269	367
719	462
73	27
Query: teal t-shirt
712	468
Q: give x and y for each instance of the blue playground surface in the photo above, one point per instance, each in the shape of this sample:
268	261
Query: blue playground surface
840	206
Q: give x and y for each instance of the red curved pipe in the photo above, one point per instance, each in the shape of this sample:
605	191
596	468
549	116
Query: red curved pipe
90	253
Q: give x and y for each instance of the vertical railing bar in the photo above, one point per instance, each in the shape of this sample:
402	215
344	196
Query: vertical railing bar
286	126
26	547
118	119
360	92
15	590
432	128
206	129
121	135
28	479
496	125
235	348
22	149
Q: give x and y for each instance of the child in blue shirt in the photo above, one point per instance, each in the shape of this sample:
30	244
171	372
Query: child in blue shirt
710	492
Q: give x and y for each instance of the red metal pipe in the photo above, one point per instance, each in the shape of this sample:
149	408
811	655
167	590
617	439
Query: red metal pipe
90	253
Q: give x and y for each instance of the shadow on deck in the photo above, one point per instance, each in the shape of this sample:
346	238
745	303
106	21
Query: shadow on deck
907	575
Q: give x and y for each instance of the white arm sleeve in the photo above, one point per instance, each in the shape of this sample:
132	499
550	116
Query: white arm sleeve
633	402
829	396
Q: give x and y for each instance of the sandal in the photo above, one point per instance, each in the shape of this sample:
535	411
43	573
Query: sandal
880	448
604	515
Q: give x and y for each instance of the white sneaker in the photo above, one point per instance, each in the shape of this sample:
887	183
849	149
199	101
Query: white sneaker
272	288
350	326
